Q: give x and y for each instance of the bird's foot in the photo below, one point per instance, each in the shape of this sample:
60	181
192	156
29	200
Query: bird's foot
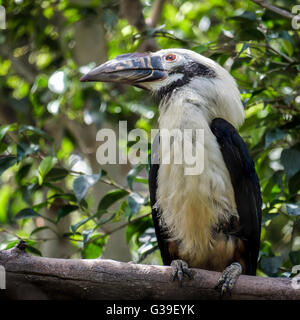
228	278
180	268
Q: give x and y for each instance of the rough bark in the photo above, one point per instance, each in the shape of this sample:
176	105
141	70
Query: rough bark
30	277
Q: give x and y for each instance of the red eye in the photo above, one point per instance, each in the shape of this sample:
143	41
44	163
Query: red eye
170	57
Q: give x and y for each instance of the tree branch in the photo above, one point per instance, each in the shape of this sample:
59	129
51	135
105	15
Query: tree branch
273	8
30	277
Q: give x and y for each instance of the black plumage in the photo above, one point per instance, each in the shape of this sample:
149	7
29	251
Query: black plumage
246	188
161	233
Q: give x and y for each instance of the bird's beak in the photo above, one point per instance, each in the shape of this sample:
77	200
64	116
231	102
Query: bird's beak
133	68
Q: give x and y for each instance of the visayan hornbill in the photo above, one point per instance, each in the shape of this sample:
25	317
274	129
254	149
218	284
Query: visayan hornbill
209	220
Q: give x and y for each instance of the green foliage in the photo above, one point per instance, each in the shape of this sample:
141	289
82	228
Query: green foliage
41	95
83	183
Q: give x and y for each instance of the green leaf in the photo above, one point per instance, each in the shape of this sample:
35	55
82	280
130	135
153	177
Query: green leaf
65	196
149	243
287	47
53	187
71	235
293	209
74	227
295	257
266	249
45	166
138	227
70	197
141	180
87	235
241	47
135	201
41	81
6	197
6	128
82	184
245	16
199	48
267	217
3	147
36	230
7	162
56	174
94	248
290	159
40	205
25	148
274	135
65	210
22	172
26	213
146	250
133	173
12	244
37	131
33	250
294	183
106	219
110	198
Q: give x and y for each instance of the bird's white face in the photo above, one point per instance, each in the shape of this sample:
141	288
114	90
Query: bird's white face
182	66
170	59
153	71
160	72
176	70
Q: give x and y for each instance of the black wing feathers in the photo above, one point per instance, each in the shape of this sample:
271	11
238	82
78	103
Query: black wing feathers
246	188
161	234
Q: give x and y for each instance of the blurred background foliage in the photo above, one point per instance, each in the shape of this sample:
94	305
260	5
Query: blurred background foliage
54	194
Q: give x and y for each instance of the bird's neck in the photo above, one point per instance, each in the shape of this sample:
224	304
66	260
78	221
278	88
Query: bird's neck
187	106
185	110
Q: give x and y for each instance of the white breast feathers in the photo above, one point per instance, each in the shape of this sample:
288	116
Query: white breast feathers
192	205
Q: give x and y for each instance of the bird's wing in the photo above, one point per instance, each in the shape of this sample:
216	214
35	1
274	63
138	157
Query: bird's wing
246	188
161	235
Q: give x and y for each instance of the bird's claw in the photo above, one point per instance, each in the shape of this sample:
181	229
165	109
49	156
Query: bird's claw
180	268
228	278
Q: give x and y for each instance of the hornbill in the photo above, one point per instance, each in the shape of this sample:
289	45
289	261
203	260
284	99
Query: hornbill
209	220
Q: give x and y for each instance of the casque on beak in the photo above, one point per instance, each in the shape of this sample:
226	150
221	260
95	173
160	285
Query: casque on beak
132	68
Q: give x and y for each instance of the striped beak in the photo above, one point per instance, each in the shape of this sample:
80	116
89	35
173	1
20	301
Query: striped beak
132	68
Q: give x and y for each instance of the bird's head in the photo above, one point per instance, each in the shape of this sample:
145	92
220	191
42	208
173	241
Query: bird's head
176	71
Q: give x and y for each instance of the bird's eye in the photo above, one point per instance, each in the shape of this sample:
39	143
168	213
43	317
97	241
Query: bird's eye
170	57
